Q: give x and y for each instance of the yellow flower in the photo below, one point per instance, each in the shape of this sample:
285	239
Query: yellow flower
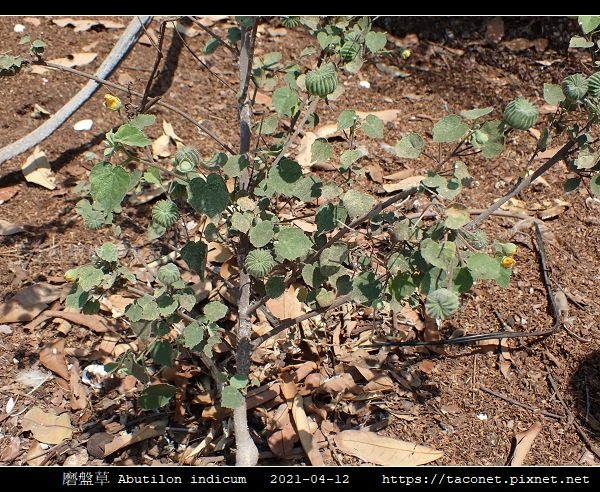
508	262
112	102
405	54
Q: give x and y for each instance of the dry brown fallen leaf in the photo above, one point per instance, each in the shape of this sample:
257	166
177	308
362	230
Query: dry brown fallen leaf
304	149
288	386
258	396
32	20
523	443
504	359
403	184
78	393
264	99
160	146
8	228
218	253
73	60
36	169
168	130
547	154
287	305
116	304
52	357
79	458
387	115
306	436
86	24
328	131
282	439
7	192
339	384
188	31
552	212
547	109
211	20
153	429
36	454
92	321
79	59
11	450
277	31
376	380
29	302
399	175
375	172
46	427
384	451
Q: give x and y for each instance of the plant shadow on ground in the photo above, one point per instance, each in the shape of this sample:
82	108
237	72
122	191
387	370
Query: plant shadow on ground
585	393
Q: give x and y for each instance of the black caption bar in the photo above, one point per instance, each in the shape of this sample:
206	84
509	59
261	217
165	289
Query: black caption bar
129	479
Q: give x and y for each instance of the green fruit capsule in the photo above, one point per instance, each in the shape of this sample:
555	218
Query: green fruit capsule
165	213
259	263
520	114
186	159
575	87
322	81
168	274
594	85
351	47
290	22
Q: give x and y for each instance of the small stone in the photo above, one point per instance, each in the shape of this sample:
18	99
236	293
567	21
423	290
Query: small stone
364	84
19	28
5	329
83	125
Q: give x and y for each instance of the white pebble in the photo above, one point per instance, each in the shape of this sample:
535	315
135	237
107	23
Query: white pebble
364	84
5	329
481	416
19	28
83	125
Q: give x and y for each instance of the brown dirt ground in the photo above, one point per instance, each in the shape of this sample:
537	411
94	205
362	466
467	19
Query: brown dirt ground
436	398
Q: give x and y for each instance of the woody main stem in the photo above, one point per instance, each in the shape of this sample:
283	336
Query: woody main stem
246	450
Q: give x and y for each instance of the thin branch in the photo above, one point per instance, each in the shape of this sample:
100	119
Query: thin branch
473	211
340	234
122	88
289	322
157	60
519	404
213	34
204	65
309	111
525	182
539	243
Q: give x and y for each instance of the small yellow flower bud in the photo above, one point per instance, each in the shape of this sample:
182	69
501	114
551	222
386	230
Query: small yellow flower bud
405	54
69	277
510	249
112	102
508	262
